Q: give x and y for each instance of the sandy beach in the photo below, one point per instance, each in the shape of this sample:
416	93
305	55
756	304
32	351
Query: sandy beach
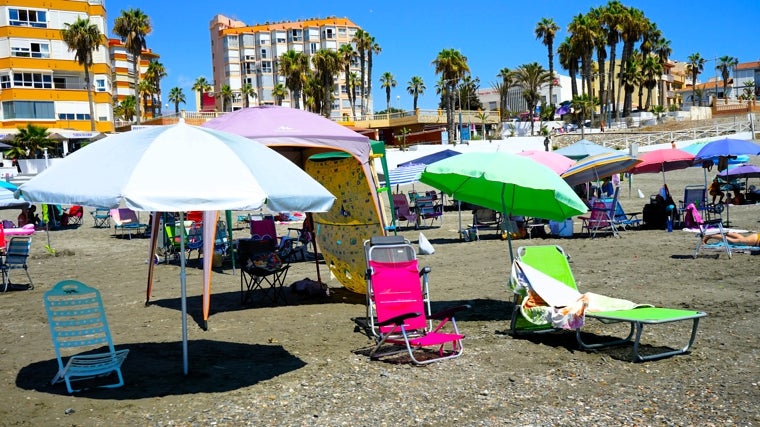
305	363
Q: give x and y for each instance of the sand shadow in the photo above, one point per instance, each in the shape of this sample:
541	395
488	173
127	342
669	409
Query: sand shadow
155	370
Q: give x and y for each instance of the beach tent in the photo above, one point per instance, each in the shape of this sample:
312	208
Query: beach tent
299	135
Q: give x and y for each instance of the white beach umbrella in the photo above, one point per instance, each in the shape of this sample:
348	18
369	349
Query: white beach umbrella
178	168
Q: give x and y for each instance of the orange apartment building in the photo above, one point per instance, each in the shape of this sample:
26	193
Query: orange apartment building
122	76
40	81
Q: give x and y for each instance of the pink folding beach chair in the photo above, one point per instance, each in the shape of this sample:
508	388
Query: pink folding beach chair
398	301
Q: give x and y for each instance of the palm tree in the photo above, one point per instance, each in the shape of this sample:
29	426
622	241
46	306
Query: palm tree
327	65
694	66
145	90
279	92
600	45
611	19
82	37
126	108
154	74
507	81
651	70
132	26
247	91
201	85
387	81
373	48
663	50
225	93
582	37
584	104
351	84
630	76
545	30
30	142
634	25
568	59
347	56
415	87
725	63
531	77
648	41
362	41
177	96
294	66
452	66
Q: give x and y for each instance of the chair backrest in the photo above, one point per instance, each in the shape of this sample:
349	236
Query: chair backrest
2	236
18	250
426	207
76	211
264	229
696	195
76	318
401	203
600	213
397	290
389	249
692	218
250	249
123	216
551	260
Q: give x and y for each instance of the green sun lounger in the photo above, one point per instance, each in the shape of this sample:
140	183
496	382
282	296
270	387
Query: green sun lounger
552	261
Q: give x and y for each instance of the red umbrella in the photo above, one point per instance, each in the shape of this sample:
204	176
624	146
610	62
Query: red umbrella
663	160
556	162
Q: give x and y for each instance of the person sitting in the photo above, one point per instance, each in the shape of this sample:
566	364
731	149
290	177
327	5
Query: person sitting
738	198
753	195
607	188
715	191
736	238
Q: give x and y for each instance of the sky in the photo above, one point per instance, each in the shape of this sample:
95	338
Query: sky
491	34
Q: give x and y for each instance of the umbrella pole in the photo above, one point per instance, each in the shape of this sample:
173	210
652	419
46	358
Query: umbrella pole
183	290
459	210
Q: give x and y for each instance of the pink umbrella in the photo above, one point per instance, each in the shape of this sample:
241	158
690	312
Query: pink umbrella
663	160
556	162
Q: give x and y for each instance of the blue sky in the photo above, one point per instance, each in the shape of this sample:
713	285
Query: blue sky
491	34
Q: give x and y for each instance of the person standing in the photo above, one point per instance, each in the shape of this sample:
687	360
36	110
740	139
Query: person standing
546	143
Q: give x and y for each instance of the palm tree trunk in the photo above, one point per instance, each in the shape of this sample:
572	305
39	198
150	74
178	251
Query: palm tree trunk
136	69
89	96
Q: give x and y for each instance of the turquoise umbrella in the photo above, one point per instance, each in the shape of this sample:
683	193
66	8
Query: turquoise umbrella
508	183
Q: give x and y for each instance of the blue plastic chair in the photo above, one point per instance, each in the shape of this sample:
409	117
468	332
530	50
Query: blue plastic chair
78	325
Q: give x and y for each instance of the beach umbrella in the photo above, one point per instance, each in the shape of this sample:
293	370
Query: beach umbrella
599	166
663	160
404	175
727	147
510	184
743	171
583	148
159	169
556	162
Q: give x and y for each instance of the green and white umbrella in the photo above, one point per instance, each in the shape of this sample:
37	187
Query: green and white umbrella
508	183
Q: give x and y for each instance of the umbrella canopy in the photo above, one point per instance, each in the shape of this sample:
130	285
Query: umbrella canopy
743	171
157	169
727	147
663	160
595	167
582	149
511	184
7	199
556	162
431	158
405	174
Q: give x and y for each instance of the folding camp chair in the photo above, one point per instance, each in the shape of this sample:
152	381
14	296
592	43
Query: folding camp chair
262	270
399	302
15	257
74	215
544	272
125	220
404	211
427	208
626	219
693	221
600	219
78	327
102	217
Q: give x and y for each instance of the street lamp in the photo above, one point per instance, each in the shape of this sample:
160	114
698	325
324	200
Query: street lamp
398	102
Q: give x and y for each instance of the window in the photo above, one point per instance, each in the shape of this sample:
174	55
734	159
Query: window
28	18
31	50
100	85
313	48
266	66
264	53
296	35
280	40
328	33
35	80
5	81
28	110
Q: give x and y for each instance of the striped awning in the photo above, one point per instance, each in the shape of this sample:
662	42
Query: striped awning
405	174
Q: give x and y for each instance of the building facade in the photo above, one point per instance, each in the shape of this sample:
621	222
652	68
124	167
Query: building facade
516	104
40	80
123	76
248	54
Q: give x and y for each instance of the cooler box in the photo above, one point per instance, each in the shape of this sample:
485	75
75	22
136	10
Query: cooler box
563	228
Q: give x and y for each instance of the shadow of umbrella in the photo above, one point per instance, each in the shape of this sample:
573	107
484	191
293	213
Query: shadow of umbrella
150	370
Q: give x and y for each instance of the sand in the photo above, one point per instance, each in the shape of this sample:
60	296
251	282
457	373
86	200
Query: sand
305	363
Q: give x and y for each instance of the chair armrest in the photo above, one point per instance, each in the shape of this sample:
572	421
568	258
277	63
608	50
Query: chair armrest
399	320
449	313
425	270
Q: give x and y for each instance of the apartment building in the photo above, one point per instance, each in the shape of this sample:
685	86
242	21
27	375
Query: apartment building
249	54
40	80
123	76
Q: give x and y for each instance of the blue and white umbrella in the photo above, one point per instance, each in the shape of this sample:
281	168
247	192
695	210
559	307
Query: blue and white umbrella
405	174
594	167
